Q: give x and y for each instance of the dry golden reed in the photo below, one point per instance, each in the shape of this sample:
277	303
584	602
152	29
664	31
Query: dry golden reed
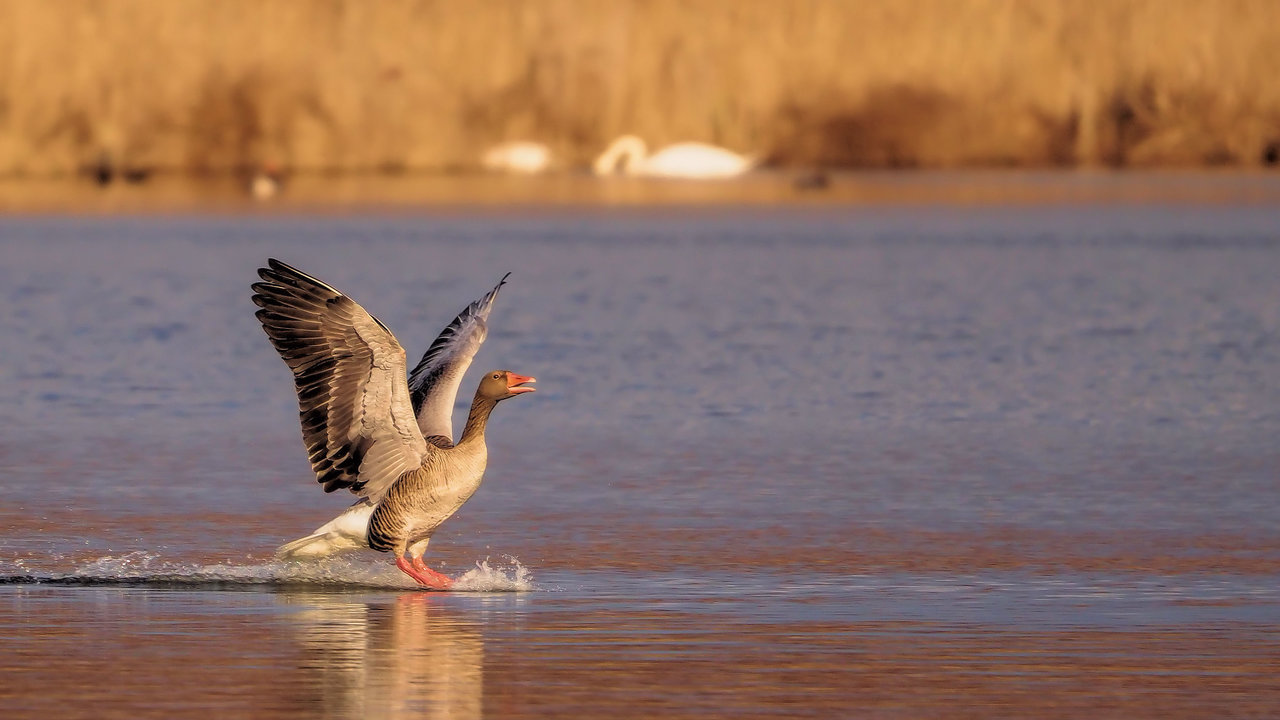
412	85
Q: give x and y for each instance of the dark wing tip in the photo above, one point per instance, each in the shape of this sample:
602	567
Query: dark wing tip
287	276
278	267
489	296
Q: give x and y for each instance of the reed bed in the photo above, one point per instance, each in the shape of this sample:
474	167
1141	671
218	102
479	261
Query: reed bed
422	85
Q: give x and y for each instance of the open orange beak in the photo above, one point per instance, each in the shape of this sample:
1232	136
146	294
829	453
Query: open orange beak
514	382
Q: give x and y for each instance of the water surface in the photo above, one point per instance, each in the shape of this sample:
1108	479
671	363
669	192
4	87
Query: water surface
821	462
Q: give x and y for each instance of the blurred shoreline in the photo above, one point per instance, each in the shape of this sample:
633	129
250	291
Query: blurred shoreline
436	192
414	86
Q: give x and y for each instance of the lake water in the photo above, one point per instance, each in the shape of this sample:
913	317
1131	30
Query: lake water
915	461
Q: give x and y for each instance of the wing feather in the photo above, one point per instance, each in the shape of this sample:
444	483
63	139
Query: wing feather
434	382
354	406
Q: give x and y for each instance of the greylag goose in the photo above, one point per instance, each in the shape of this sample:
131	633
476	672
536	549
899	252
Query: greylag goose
368	430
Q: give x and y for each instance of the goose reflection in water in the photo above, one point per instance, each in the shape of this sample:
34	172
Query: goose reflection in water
411	657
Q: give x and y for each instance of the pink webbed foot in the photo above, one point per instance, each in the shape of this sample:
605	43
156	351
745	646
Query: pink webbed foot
443	580
424	575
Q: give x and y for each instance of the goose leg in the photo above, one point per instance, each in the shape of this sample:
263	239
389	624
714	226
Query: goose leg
424	575
439	576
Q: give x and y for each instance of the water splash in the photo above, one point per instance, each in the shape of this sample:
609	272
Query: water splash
144	568
485	578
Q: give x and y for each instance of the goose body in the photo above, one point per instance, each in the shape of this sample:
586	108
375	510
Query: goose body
369	430
682	160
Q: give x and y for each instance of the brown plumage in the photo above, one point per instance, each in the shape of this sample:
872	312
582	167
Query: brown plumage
369	430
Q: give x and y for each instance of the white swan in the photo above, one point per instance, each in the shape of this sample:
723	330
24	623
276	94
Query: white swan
682	160
519	156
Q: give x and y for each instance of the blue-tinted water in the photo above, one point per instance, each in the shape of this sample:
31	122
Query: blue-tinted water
802	462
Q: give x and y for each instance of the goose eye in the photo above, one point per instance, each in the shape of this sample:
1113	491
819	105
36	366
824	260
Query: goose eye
496	376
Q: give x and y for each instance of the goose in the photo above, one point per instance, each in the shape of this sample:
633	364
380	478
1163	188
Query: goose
519	156
369	430
683	160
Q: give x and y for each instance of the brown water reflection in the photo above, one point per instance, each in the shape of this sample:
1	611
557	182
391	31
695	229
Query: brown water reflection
409	658
890	670
156	653
327	193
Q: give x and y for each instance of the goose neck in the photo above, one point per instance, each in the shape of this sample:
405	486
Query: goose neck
481	408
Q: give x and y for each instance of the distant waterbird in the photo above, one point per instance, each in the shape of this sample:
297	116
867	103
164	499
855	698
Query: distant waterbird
265	183
520	157
368	429
691	160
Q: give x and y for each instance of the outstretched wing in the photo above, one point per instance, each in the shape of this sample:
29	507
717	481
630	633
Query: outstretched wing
434	382
357	421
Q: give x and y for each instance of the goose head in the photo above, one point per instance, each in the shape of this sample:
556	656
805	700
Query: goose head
502	384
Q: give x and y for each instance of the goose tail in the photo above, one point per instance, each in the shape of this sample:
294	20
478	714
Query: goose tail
315	546
348	531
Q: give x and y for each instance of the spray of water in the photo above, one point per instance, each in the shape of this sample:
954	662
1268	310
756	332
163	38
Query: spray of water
144	568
